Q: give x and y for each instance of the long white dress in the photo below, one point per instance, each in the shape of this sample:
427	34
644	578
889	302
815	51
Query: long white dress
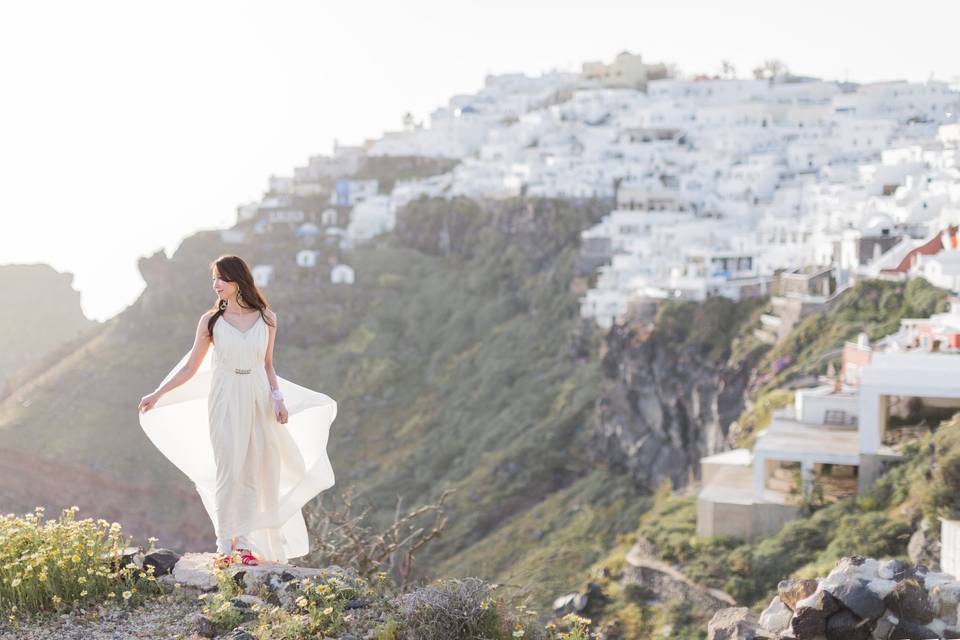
253	473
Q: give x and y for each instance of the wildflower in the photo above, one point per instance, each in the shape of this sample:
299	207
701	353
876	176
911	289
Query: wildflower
82	579
83	593
42	577
328	611
518	632
57	599
111	595
485	605
302	602
151	539
127	595
75	558
15	582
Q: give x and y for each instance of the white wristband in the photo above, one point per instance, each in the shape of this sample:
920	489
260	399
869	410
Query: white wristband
275	394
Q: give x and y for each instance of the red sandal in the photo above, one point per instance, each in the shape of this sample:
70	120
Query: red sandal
247	557
222	561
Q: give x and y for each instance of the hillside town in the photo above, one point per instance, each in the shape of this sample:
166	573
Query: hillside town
717	185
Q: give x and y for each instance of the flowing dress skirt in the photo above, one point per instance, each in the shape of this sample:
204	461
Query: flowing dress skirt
253	473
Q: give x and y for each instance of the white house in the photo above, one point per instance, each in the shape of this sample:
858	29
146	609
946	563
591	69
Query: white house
262	274
371	217
836	436
342	274
307	258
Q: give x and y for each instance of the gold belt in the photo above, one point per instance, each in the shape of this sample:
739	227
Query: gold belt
241	370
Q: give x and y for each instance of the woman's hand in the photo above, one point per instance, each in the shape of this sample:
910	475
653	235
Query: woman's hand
147	401
280	411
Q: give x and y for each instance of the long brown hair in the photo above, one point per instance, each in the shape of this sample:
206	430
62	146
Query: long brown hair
232	268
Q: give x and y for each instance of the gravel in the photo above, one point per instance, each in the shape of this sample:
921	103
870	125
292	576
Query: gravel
167	617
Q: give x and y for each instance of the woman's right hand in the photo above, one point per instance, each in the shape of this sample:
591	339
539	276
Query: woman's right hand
147	402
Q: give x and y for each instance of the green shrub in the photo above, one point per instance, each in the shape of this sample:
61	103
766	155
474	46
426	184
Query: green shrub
53	565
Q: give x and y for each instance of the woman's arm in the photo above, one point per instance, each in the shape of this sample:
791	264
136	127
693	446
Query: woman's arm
279	408
201	343
268	356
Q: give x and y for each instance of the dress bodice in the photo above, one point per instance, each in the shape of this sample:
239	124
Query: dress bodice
236	349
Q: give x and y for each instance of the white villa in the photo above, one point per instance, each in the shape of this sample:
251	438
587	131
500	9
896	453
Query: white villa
838	435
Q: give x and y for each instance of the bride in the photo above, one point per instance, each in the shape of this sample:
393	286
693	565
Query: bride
253	443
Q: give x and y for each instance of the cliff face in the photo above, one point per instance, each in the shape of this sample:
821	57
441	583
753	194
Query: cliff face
672	389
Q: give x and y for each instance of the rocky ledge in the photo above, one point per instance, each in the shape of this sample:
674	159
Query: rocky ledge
861	599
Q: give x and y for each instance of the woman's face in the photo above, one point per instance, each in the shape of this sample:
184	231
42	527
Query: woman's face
223	289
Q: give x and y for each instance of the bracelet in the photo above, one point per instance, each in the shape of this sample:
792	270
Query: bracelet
275	394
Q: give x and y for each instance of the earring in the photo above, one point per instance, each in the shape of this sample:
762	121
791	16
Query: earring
223	304
239	298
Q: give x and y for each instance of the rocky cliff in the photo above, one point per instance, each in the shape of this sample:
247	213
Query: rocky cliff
674	380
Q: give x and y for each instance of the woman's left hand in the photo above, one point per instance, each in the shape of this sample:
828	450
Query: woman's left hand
280	411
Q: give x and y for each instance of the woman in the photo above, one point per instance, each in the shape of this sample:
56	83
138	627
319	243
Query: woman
262	455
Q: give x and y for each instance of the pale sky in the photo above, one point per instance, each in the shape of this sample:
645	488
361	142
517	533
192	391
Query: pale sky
125	126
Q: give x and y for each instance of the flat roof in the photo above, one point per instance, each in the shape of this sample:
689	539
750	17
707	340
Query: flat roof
730	485
794	441
731	457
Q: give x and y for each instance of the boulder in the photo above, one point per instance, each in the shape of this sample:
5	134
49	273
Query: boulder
909	600
162	560
204	627
945	598
894	570
810	615
734	623
776	617
570	603
855	595
196	570
792	591
846	625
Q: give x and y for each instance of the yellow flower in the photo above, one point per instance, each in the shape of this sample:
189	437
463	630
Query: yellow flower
111	595
42	577
56	599
302	602
76	558
83	593
82	580
127	595
328	611
15	582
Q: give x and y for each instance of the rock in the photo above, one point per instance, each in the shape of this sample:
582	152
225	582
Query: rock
776	617
881	587
734	623
357	603
246	601
810	615
855	595
195	570
846	625
162	560
238	634
909	600
889	627
894	570
945	598
792	591
856	567
922	548
570	603
205	627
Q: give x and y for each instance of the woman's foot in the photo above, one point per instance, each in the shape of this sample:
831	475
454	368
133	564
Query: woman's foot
222	561
247	557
